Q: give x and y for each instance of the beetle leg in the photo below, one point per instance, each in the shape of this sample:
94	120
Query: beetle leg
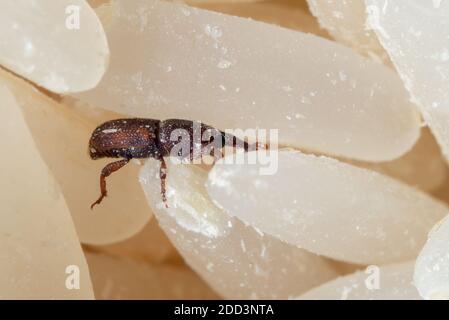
163	177
106	172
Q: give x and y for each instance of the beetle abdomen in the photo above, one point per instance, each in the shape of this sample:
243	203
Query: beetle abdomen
125	138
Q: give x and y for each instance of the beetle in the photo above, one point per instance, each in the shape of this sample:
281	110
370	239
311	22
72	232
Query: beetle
139	138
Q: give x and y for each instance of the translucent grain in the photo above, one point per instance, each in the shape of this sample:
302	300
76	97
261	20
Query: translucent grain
59	45
393	282
415	34
329	208
121	279
367	117
346	21
239	262
38	243
150	245
62	135
432	267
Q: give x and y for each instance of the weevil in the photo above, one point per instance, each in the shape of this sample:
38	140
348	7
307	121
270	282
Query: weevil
149	138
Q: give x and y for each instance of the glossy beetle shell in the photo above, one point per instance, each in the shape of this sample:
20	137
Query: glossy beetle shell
126	138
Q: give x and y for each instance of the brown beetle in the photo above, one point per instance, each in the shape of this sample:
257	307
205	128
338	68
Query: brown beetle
148	138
